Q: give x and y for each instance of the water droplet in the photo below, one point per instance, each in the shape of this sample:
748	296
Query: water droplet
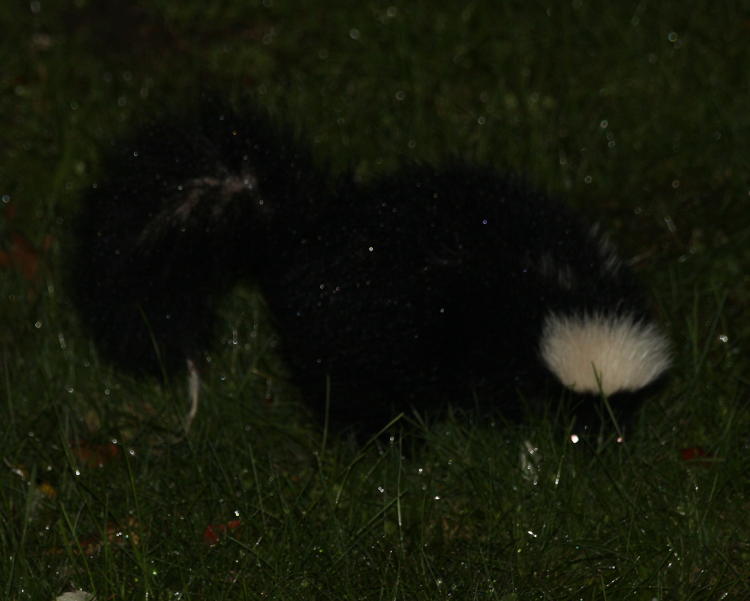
354	33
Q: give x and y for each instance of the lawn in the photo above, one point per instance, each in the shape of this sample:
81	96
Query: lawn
635	113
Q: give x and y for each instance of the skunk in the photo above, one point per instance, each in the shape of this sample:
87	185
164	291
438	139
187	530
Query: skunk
435	284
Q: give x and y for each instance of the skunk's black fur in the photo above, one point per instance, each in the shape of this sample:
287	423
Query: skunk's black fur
185	208
431	285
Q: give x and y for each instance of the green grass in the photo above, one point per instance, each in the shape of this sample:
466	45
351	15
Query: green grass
636	113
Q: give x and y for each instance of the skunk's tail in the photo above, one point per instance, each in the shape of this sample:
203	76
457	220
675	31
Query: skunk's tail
188	206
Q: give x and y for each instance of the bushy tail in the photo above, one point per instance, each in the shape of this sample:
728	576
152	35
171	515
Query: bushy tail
188	206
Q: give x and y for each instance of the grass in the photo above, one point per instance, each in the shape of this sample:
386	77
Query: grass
635	113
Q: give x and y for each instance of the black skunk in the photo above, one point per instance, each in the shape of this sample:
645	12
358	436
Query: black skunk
431	285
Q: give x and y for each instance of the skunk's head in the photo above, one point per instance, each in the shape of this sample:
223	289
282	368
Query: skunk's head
603	354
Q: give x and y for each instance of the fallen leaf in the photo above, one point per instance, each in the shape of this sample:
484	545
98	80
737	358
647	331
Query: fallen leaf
696	456
115	534
94	455
22	256
44	487
213	532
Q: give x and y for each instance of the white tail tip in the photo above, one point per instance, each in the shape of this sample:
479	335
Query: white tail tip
603	354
